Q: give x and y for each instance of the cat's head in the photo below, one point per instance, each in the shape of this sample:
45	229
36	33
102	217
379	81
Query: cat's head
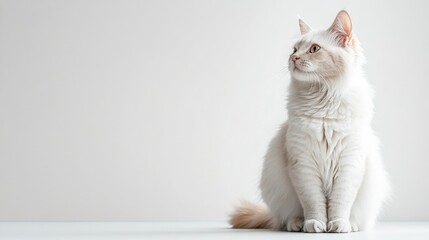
325	55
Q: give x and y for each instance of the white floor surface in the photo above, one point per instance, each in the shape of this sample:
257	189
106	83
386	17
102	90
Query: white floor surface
192	230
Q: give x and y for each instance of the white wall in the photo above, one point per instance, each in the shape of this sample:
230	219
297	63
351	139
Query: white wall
162	110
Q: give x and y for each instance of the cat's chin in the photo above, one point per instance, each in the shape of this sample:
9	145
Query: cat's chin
303	76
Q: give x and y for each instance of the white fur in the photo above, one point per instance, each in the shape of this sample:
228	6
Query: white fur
323	171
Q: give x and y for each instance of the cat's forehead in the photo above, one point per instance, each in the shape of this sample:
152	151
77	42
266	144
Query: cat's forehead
318	37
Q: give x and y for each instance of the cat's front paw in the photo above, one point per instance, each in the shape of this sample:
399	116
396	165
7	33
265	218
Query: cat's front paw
295	224
314	226
355	227
340	225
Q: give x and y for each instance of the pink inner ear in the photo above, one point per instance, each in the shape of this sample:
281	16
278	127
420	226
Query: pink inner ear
342	26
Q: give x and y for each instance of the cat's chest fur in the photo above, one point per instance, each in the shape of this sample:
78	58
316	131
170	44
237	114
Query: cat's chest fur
321	123
322	138
320	131
318	143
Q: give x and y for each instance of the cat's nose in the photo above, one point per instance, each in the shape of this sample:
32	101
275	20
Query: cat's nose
295	57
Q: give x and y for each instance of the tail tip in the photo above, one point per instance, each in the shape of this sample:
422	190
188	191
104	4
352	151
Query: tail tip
250	216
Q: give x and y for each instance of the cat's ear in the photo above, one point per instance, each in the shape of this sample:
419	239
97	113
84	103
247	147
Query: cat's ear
303	27
342	27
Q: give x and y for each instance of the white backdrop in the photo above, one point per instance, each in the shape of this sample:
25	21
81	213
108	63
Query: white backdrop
162	110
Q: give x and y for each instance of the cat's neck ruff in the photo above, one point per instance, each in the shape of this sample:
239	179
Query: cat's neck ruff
344	99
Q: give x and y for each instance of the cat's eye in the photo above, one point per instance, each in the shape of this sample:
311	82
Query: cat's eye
294	50
314	48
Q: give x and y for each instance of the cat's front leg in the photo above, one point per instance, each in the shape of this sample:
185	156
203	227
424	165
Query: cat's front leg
308	185
345	187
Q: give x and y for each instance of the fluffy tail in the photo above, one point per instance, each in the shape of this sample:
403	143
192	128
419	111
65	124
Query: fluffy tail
249	215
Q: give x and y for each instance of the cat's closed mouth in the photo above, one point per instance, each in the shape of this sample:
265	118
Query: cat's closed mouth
296	69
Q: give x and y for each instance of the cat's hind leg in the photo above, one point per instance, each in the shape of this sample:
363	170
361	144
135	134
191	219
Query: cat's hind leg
371	195
276	187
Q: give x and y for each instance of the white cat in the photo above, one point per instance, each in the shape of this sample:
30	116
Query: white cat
323	171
